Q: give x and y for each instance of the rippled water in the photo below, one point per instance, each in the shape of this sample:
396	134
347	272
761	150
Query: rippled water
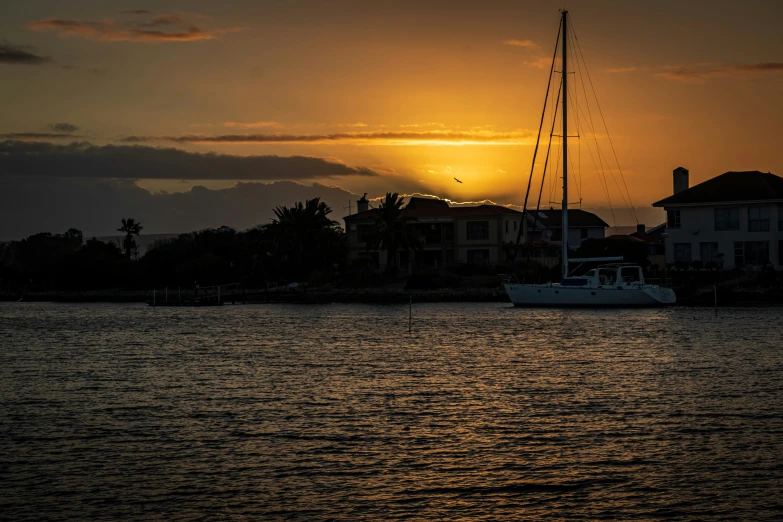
336	412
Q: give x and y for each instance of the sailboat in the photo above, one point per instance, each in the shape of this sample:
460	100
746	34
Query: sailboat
616	284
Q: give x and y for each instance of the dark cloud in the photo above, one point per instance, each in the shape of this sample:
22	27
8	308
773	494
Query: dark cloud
481	136
698	74
22	55
136	11
36	136
92	70
110	30
31	204
65	128
163	20
85	160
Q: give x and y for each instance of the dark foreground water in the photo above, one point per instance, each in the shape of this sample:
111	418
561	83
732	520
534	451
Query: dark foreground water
121	412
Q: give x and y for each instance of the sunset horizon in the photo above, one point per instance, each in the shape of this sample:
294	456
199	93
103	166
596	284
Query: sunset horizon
401	98
418	259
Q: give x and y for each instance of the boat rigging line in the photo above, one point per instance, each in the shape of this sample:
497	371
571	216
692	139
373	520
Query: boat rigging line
579	56
583	119
538	139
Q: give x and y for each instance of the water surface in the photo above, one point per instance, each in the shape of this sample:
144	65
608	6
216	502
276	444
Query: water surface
112	411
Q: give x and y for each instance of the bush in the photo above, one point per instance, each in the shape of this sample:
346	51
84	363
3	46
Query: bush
432	280
468	269
481	281
320	278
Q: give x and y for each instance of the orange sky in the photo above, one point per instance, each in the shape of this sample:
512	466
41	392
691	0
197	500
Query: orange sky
418	92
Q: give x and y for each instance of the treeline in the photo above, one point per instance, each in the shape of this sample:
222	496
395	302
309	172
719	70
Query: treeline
301	244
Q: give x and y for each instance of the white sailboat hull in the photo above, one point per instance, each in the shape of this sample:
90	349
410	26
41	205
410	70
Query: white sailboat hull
589	296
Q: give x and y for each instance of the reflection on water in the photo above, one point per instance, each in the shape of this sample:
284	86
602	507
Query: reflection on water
316	412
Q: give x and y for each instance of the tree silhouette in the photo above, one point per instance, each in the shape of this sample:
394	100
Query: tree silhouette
305	236
391	231
130	228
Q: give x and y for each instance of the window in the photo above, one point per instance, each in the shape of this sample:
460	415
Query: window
583	233
607	276
727	218
371	258
478	257
430	233
708	252
630	274
506	227
780	252
682	252
478	230
557	234
515	226
780	218
758	219
448	231
673	219
364	232
751	253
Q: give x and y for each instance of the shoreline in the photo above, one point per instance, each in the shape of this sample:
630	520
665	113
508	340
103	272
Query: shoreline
727	297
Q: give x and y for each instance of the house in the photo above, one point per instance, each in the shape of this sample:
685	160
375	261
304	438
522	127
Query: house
452	234
581	225
651	238
449	235
735	219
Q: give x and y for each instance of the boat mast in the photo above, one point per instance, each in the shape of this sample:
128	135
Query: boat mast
564	73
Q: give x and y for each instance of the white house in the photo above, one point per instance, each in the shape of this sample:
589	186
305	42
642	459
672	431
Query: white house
736	214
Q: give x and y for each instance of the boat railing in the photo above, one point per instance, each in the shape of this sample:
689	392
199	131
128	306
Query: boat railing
509	278
659	281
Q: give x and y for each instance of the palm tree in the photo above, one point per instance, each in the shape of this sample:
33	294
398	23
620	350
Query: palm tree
130	228
304	234
391	230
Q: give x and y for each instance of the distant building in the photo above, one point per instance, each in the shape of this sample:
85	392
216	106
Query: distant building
461	234
651	238
735	219
581	225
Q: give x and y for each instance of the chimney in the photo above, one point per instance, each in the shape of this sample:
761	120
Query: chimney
640	228
362	205
680	179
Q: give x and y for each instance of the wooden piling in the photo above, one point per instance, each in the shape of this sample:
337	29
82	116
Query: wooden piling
410	315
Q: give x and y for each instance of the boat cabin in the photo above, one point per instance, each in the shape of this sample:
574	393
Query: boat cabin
607	276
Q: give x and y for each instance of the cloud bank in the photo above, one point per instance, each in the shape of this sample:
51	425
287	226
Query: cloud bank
165	27
84	160
20	55
697	74
32	204
527	44
29	205
23	136
481	137
64	128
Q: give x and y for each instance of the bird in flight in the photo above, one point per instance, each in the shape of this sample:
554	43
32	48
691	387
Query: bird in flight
458	181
